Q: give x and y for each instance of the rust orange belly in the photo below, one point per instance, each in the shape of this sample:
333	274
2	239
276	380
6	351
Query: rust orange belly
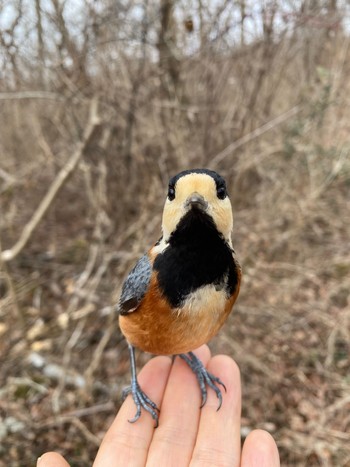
157	328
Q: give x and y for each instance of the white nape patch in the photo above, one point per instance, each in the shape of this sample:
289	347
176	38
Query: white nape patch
157	249
203	301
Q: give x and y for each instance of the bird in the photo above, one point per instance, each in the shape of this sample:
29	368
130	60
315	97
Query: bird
181	291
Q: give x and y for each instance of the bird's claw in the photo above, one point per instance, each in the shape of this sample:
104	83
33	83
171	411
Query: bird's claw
141	400
204	378
210	380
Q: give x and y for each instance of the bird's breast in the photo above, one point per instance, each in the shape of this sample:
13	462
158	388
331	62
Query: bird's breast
208	300
158	328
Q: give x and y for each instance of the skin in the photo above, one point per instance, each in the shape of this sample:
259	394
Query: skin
186	436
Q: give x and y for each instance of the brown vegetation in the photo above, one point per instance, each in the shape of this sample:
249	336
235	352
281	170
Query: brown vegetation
100	103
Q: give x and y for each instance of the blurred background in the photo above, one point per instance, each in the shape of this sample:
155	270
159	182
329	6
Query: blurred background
100	103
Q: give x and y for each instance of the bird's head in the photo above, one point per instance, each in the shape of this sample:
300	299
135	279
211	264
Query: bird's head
200	191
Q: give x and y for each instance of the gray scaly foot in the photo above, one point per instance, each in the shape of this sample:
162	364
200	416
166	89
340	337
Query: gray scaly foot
204	377
140	398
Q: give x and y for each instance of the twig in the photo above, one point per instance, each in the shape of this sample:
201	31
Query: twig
74	418
6	176
63	419
25	381
75	336
12	293
30	95
79	413
93	439
92	410
57	184
97	355
252	135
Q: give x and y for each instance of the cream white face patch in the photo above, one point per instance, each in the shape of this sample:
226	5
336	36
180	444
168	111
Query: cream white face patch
219	209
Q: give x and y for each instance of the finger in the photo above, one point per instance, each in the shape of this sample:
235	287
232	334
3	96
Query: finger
260	450
218	440
127	443
174	439
51	459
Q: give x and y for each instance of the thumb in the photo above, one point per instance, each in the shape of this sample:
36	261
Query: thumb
51	459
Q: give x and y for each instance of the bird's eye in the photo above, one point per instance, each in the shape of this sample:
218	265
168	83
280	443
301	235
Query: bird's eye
221	192
171	193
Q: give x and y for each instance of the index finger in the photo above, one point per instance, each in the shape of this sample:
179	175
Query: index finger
127	443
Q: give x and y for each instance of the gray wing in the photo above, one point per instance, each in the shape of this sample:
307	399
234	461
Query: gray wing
135	286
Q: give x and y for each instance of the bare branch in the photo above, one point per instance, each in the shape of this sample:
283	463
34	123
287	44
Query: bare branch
58	183
253	134
9	96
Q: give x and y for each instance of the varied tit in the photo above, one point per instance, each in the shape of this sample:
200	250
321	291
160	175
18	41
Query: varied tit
182	290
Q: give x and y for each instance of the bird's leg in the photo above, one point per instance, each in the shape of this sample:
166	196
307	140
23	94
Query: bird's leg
140	398
204	377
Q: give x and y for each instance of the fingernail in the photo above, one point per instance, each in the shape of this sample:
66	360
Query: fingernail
38	460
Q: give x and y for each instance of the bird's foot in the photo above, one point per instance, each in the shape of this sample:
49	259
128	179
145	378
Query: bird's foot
141	400
204	377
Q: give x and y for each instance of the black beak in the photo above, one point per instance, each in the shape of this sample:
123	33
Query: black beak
196	201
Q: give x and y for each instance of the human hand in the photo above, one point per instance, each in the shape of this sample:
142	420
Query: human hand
186	434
